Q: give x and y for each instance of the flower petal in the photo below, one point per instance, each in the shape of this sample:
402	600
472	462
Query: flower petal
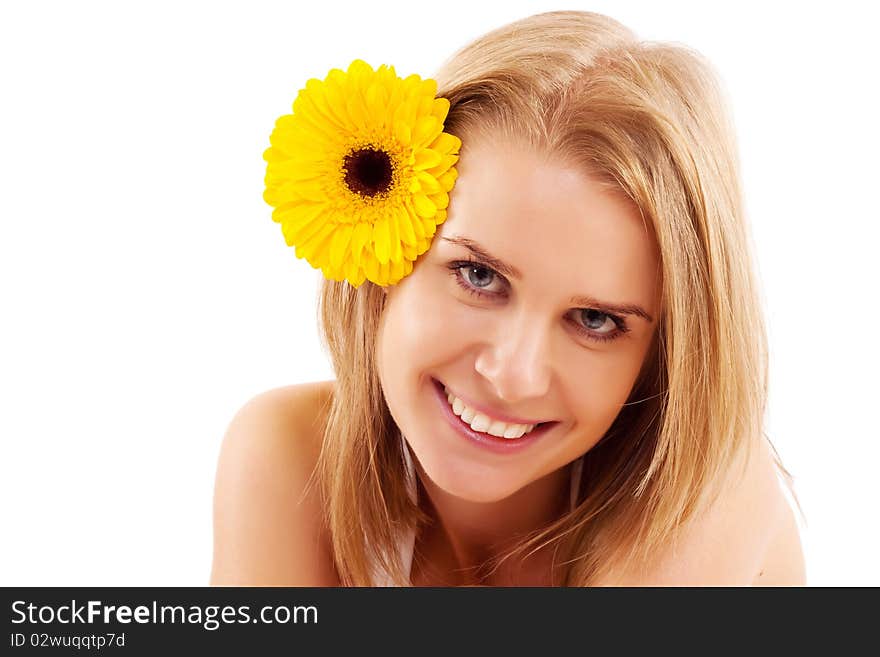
373	269
424	206
310	190
405	113
298	213
403	133
359	238
440	109
357	111
293	170
376	99
384	274
415	221
381	239
427	182
447	179
339	246
396	272
440	200
428	87
444	165
427	159
446	143
407	234
395	252
430	227
359	68
426	130
308	248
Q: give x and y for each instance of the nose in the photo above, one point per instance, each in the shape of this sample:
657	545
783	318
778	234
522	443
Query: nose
517	362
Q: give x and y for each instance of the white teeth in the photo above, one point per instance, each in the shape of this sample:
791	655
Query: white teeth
482	423
515	430
499	429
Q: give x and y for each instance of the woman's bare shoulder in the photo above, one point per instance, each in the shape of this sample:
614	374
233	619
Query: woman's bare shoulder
784	563
299	406
781	556
268	527
747	536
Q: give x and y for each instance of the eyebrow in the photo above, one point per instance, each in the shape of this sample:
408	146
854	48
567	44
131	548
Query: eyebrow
512	272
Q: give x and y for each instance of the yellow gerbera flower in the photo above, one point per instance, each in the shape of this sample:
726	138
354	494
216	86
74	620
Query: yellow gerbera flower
359	175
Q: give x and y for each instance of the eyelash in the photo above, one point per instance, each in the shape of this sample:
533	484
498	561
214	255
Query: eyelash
455	270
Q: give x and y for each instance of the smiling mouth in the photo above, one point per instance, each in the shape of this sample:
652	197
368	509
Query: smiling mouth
483	424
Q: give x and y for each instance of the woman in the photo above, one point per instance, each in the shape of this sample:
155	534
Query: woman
568	387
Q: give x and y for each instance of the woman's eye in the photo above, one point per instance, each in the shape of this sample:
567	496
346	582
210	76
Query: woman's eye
477	276
597	321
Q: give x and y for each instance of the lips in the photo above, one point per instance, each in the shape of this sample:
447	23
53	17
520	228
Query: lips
488	412
485	440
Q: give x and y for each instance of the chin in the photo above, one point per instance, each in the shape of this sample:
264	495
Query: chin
469	483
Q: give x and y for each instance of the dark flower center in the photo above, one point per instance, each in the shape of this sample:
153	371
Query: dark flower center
368	171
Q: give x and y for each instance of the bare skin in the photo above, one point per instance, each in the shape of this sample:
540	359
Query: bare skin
264	536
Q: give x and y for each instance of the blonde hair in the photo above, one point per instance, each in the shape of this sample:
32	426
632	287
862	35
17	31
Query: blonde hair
647	119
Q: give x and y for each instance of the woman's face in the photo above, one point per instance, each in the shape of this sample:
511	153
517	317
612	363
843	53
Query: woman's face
535	342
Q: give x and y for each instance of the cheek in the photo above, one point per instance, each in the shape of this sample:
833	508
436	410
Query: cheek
426	326
602	385
419	332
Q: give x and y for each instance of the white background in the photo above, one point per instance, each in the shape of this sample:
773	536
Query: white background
146	294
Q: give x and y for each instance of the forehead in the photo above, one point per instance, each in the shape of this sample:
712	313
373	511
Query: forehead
552	221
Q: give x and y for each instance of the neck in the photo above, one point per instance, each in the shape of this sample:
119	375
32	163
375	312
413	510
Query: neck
469	534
